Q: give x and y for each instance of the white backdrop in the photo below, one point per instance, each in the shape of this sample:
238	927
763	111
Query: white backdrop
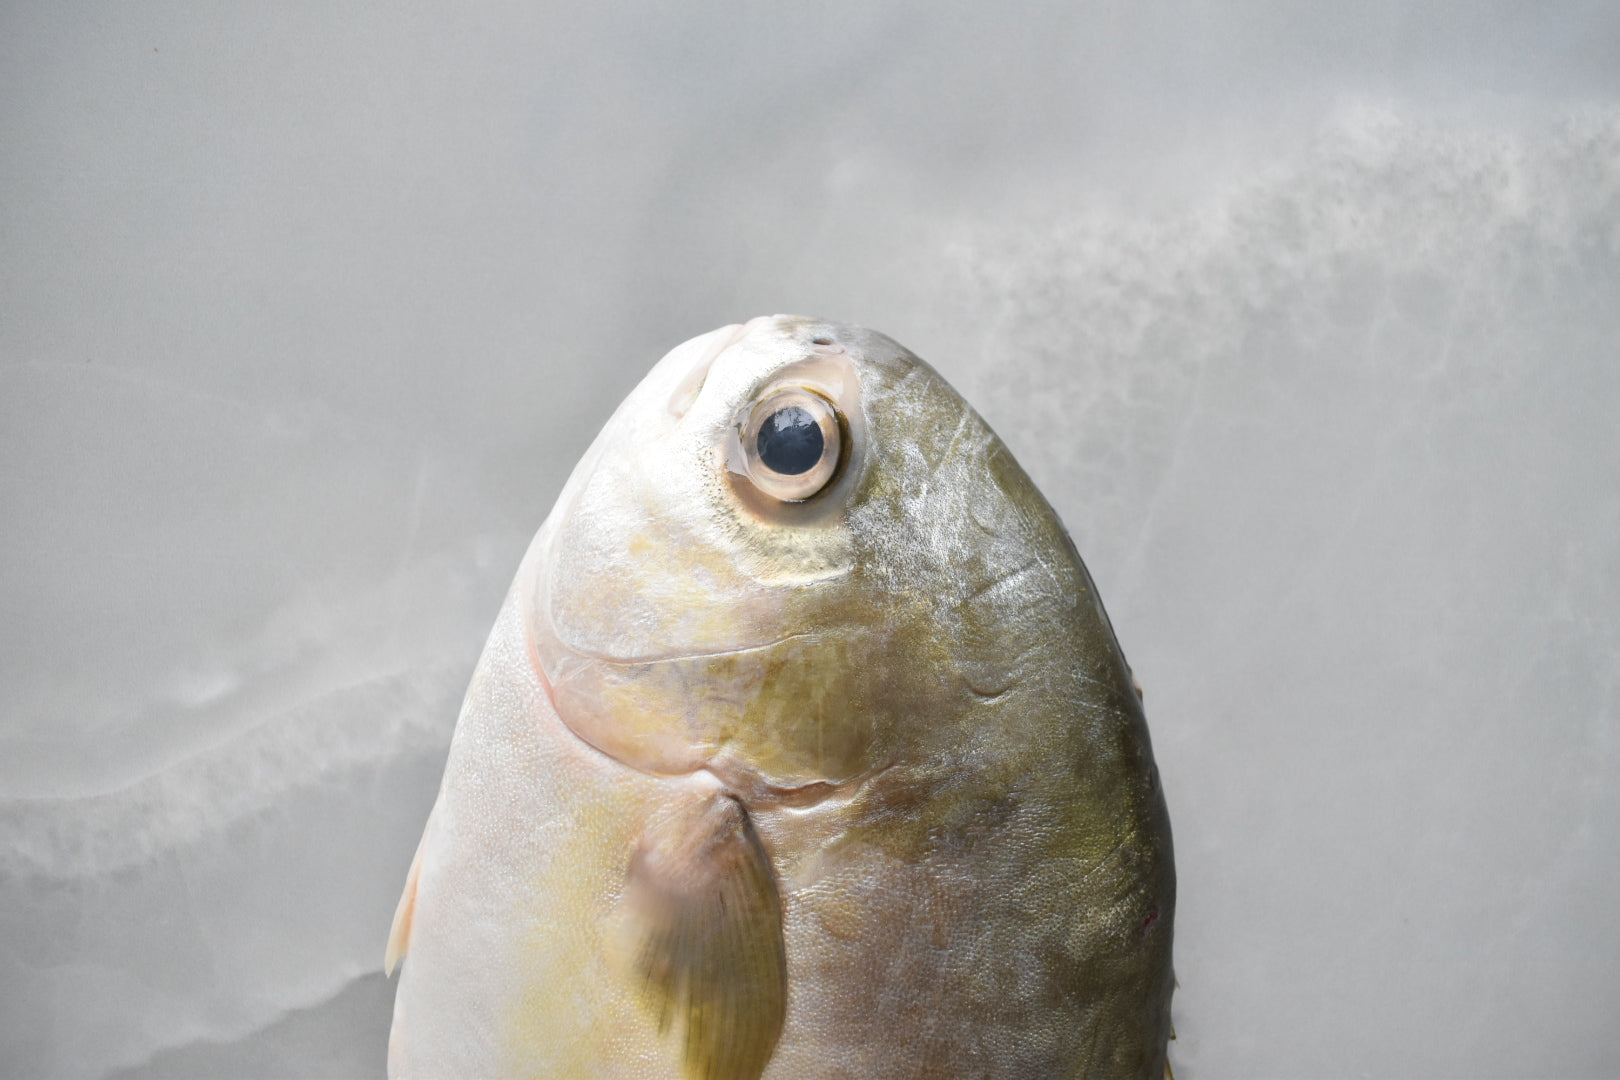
1304	316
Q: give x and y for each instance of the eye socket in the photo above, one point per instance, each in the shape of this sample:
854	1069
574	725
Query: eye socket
791	444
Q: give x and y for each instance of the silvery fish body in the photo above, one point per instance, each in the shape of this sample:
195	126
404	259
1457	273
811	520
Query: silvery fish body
802	747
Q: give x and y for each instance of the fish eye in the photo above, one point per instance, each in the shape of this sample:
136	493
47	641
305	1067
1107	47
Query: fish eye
792	442
789	442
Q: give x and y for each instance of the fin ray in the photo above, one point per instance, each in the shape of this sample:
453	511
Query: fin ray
707	921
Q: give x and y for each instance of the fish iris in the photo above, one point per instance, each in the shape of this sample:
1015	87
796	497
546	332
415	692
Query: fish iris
790	442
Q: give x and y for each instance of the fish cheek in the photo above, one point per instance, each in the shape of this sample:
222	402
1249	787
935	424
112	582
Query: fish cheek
808	720
792	713
700	926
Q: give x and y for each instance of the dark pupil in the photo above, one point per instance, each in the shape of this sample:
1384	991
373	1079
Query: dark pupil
790	441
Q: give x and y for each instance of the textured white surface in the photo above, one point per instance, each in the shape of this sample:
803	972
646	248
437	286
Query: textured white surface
1305	317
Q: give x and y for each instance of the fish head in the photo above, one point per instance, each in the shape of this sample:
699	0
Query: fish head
831	702
793	557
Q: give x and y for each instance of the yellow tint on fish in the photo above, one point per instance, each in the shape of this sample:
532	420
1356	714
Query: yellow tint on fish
802	747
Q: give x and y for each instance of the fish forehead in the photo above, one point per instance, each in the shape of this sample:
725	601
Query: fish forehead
700	385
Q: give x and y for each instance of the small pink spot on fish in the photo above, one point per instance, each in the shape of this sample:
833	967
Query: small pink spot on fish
1151	918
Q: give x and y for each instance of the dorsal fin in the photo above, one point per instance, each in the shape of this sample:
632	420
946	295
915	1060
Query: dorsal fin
706	923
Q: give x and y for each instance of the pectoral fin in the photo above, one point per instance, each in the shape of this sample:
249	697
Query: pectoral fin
399	935
706	928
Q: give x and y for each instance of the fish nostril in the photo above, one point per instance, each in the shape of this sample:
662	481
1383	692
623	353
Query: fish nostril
821	341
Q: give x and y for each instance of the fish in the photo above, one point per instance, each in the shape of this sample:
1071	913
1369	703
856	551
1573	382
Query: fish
802	746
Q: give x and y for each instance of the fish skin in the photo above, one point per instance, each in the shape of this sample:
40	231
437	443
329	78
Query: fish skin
893	718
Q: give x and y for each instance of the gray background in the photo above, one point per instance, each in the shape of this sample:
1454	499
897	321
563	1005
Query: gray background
1304	316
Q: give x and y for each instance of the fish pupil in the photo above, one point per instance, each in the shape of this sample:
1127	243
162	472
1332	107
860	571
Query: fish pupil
790	441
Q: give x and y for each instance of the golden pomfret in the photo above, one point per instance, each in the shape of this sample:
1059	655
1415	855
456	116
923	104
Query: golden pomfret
801	747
